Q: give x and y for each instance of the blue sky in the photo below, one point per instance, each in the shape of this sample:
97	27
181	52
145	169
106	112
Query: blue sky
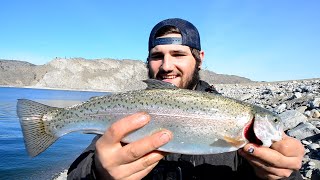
262	40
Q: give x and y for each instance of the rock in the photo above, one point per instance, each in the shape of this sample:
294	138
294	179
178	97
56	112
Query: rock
303	131
316	102
302	109
315	122
280	108
309	174
298	89
315	113
297	95
313	146
307	150
246	97
308	113
292	118
305	142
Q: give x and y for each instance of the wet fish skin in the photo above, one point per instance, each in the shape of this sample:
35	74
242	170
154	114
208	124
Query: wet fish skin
202	123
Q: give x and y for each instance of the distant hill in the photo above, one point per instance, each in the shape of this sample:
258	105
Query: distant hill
83	74
16	73
214	78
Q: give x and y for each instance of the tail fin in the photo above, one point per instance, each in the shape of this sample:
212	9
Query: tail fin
30	114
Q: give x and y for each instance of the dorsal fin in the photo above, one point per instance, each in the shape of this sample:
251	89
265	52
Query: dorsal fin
157	84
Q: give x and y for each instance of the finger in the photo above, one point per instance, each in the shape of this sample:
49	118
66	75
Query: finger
263	174
271	157
269	171
143	173
108	145
264	169
148	160
141	164
289	147
122	127
137	149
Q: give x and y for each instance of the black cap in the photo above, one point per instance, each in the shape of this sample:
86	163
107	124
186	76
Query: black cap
189	33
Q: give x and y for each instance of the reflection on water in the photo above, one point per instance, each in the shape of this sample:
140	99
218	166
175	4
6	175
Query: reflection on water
7	109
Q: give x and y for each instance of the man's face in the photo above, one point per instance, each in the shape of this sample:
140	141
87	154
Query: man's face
174	64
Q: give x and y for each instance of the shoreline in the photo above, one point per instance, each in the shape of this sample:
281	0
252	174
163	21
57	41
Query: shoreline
61	175
58	89
254	83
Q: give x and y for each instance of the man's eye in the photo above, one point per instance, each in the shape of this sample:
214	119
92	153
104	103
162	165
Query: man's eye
156	56
178	55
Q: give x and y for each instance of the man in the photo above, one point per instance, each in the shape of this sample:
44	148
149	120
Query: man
175	56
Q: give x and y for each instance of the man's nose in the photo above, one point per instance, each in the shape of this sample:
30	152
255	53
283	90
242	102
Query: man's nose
167	63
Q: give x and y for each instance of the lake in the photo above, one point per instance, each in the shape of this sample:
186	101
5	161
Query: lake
15	163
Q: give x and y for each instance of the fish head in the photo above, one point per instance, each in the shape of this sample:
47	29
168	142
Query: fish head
267	128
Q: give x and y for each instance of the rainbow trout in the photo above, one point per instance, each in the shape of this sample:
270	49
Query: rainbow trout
201	122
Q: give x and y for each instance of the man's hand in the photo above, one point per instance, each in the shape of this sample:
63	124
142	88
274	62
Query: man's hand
276	162
135	160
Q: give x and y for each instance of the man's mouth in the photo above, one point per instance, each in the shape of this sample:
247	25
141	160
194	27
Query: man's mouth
168	77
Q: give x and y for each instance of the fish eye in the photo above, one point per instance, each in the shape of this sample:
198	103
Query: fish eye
276	120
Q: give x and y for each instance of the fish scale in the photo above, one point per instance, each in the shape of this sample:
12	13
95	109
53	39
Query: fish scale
201	122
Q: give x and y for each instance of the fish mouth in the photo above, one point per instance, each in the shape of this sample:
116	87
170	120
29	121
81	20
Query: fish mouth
250	135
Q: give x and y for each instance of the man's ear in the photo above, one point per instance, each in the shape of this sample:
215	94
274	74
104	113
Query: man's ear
201	59
147	62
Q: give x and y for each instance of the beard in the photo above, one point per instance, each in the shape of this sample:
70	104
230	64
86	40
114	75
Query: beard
191	84
194	80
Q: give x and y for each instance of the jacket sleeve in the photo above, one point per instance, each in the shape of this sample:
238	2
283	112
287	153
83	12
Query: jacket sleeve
83	167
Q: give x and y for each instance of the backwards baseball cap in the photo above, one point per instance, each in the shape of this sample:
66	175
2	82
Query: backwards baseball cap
190	35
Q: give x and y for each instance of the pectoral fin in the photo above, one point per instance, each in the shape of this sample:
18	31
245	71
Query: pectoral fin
236	142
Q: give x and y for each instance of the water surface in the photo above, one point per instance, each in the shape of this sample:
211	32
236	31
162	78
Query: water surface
14	160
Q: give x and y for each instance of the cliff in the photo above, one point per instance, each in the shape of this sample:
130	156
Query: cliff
82	74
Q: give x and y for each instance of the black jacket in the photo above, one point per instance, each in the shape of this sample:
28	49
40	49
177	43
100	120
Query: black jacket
178	166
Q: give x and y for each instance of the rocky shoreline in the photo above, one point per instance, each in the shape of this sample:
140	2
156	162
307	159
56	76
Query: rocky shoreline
298	104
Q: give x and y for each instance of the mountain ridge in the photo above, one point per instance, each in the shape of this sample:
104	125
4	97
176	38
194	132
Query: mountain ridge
89	74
